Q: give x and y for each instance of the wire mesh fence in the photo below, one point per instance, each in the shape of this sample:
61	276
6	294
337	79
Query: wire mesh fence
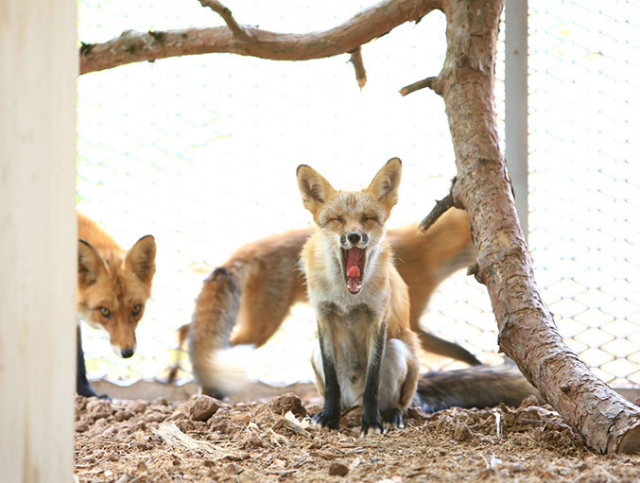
201	152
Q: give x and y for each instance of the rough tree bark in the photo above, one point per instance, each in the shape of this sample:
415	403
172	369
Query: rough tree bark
527	332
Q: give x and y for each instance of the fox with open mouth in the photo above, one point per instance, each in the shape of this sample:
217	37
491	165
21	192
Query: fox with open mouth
366	348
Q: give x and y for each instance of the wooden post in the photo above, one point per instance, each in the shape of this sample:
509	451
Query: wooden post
37	239
516	105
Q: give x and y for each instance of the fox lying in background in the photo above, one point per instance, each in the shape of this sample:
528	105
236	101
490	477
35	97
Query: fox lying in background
257	286
113	288
366	349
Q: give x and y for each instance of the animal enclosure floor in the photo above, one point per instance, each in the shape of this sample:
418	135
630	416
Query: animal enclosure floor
205	440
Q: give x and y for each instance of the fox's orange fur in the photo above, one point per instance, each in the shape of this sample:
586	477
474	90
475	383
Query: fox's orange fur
113	285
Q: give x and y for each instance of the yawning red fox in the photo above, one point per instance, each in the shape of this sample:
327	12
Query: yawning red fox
366	349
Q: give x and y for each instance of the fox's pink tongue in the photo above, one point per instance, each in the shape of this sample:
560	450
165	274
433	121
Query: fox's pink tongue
353	263
353	270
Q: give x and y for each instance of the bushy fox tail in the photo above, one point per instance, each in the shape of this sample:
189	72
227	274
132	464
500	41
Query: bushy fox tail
474	387
209	335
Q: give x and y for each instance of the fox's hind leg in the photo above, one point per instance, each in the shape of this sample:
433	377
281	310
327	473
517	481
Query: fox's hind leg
263	308
398	383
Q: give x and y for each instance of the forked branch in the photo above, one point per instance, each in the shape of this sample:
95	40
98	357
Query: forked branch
226	15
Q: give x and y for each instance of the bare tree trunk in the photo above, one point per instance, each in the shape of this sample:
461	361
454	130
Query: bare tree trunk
527	332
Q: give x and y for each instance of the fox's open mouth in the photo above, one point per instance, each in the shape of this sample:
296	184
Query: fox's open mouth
353	268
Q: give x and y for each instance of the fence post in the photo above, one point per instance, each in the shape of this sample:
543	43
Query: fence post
37	239
516	105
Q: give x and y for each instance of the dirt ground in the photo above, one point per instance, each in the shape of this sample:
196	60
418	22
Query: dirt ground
205	440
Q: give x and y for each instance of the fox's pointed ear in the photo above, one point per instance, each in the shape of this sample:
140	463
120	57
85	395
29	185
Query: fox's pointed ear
315	190
386	182
141	259
90	264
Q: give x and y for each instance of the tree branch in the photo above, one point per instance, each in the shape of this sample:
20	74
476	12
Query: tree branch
226	15
450	201
440	209
133	46
358	65
429	82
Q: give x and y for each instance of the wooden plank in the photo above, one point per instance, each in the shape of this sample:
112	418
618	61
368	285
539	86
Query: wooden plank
37	239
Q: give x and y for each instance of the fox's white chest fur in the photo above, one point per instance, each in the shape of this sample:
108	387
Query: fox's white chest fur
350	317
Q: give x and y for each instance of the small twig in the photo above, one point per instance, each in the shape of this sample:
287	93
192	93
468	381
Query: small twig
85	48
171	434
226	15
302	460
441	207
293	427
157	35
358	65
473	269
421	84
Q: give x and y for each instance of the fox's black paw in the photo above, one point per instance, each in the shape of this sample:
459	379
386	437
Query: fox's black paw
392	419
370	427
327	420
86	391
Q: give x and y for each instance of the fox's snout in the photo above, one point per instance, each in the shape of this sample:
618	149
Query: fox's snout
123	340
126	353
354	238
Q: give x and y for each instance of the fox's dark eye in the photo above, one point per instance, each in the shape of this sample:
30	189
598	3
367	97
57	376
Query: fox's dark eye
137	309
105	312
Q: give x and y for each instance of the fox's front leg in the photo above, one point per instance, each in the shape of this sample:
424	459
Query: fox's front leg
327	382
370	405
83	388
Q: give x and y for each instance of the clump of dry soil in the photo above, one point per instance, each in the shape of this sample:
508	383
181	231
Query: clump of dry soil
205	440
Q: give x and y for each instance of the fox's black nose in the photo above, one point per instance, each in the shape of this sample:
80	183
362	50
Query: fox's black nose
126	353
354	237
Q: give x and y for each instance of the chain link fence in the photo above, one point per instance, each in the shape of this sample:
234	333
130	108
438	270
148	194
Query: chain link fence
201	152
